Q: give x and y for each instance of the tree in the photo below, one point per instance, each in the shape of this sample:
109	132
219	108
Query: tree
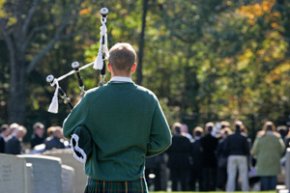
29	34
141	42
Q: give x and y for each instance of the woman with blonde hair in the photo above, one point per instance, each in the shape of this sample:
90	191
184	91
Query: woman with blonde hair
268	149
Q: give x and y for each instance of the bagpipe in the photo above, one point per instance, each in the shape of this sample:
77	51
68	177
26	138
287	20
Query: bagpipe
81	141
99	64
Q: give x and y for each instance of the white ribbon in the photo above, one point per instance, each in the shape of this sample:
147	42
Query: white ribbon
98	64
78	149
103	49
53	107
105	46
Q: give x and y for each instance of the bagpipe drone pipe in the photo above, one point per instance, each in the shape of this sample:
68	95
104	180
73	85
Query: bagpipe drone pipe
99	64
80	141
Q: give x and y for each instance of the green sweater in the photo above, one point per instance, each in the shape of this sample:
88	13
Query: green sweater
127	124
268	149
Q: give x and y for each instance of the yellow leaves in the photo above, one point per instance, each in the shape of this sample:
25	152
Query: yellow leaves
85	11
12	21
253	11
2	12
244	59
116	33
273	47
275	25
278	72
4	15
285	67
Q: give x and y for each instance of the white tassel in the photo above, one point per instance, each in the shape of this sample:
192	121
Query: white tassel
53	107
98	64
105	48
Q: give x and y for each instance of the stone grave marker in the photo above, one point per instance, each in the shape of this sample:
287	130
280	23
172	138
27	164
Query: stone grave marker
287	170
66	156
68	178
46	173
29	177
13	175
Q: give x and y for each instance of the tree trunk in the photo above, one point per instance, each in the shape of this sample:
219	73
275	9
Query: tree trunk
17	94
141	43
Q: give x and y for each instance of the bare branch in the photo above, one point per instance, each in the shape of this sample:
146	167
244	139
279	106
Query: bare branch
57	36
31	35
40	55
29	16
8	41
46	49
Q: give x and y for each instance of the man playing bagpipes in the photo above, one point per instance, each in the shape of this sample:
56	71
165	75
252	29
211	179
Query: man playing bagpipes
115	126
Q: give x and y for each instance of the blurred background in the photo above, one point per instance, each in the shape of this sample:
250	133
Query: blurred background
206	60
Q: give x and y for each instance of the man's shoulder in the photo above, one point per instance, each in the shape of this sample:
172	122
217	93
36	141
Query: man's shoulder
145	91
233	136
91	93
139	90
93	90
237	136
13	140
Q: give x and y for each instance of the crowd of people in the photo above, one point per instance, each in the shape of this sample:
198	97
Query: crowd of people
219	157
11	139
214	158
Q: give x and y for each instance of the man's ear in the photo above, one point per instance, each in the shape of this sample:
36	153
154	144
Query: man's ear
133	68
110	68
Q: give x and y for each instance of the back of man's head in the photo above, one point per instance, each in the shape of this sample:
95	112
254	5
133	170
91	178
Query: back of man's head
38	125
238	126
122	56
177	128
20	132
4	128
209	127
269	126
198	131
13	128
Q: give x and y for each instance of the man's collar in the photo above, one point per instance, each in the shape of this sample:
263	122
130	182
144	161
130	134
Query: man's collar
121	79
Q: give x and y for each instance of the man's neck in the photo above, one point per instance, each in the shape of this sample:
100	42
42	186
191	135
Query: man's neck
121	75
121	79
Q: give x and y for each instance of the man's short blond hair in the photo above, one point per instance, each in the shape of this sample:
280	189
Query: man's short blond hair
122	56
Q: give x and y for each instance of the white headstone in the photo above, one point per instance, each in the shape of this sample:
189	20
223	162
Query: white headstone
46	173
13	174
66	156
287	169
68	178
29	177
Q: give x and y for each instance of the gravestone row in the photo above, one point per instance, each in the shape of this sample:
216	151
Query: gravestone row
287	170
15	175
66	156
35	174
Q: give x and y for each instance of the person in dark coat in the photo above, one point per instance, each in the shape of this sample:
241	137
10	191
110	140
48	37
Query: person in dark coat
196	154
179	159
14	144
287	139
55	141
2	144
38	135
222	159
3	130
209	145
238	150
154	172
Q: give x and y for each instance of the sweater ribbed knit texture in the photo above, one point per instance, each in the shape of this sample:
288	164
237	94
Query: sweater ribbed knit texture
127	124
